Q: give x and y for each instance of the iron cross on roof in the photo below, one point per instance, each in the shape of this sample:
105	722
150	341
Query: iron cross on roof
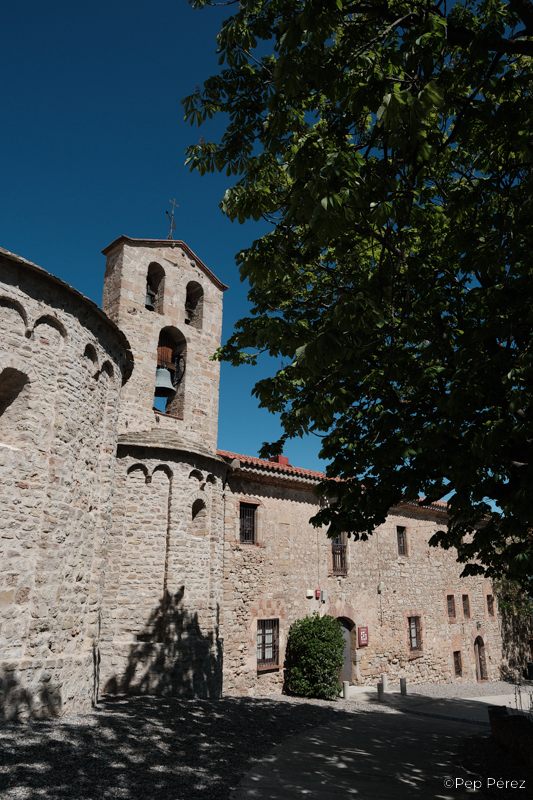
170	215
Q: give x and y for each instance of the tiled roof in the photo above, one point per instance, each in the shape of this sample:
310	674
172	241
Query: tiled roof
288	469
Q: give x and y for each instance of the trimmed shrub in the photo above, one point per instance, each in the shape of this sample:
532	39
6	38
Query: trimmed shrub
315	655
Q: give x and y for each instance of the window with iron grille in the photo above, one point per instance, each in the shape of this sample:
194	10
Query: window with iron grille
338	552
451	605
247	515
267	643
466	606
457	664
415	634
490	604
402	540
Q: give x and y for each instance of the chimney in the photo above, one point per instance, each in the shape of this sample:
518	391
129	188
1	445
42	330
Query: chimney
280	460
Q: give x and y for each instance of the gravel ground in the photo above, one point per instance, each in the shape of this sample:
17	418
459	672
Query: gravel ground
146	748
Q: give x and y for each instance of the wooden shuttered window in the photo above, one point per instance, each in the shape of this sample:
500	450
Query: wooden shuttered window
267	643
338	554
415	634
247	523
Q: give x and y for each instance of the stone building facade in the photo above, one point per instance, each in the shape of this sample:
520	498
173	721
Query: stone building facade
137	557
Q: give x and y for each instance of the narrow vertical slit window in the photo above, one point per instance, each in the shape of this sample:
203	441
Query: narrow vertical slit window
415	634
402	540
457	664
267	643
466	606
451	605
247	523
490	604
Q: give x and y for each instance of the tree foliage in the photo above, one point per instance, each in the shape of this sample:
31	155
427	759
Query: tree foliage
389	143
315	655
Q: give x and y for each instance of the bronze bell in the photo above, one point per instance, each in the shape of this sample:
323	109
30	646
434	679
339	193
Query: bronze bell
163	383
149	302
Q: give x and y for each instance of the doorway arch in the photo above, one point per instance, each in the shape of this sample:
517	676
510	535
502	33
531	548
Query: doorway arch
346	629
481	659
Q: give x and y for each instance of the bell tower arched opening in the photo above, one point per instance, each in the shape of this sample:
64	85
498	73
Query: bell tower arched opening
155	288
170	373
194	305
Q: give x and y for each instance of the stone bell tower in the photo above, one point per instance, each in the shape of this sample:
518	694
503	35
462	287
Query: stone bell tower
169	305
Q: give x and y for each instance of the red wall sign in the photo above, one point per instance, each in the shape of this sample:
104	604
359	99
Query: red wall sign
362	633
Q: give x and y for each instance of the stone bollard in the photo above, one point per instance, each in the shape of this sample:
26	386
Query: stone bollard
381	693
384	681
346	689
403	686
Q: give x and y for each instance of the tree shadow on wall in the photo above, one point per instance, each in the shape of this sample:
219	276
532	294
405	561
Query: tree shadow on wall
172	656
516	635
40	700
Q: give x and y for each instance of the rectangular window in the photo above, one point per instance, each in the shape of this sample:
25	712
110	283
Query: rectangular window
267	643
490	604
457	664
415	635
338	553
466	606
451	605
402	540
247	515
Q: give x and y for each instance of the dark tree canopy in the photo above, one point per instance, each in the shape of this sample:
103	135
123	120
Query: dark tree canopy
390	146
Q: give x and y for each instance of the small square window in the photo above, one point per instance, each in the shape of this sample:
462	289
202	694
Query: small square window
401	536
490	604
466	606
247	523
267	643
451	605
457	663
415	634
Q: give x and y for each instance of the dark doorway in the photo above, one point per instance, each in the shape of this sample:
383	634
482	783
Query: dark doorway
346	671
481	664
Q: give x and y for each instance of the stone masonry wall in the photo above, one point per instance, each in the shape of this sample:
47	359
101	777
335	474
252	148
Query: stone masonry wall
381	590
124	302
61	367
160	629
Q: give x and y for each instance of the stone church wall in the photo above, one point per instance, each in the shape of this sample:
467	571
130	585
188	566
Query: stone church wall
161	628
62	363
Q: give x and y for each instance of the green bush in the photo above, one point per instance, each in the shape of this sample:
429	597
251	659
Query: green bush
315	655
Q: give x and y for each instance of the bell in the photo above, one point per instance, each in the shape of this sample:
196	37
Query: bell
148	302
163	383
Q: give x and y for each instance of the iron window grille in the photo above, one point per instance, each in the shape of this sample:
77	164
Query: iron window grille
338	552
490	604
267	643
402	541
415	634
247	523
466	606
451	605
457	664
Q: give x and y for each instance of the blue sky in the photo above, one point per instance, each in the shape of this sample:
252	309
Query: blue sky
92	146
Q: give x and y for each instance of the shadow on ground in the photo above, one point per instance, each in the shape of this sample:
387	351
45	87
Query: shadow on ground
146	748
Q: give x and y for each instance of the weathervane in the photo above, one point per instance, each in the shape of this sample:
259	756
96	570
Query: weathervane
171	217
